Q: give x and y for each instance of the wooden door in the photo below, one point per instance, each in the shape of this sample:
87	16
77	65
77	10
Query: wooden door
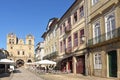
112	63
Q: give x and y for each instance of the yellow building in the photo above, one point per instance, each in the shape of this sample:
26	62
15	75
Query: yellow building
21	52
51	40
72	42
104	38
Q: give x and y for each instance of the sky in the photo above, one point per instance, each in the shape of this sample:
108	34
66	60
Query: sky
24	17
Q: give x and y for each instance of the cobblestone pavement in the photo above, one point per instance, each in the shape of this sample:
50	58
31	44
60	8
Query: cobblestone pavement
72	77
23	74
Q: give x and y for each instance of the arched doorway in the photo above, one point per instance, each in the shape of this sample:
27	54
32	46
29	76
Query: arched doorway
19	63
29	61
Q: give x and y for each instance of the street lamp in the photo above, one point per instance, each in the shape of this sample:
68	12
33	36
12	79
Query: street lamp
83	38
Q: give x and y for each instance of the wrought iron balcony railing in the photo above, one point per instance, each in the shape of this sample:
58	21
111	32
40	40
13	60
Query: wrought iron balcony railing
68	50
51	55
105	37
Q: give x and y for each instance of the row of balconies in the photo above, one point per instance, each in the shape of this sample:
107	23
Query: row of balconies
105	38
100	40
51	55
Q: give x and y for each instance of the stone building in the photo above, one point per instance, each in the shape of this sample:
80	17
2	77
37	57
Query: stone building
39	51
51	40
21	52
104	38
72	40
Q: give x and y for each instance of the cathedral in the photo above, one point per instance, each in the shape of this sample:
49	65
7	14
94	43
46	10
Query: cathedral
19	51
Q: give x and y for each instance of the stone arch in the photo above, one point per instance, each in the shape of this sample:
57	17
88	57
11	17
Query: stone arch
29	61
20	63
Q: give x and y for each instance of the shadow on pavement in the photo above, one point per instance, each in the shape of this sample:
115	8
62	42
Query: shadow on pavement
16	71
4	75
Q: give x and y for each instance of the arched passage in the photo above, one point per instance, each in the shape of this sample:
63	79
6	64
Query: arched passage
29	61
19	63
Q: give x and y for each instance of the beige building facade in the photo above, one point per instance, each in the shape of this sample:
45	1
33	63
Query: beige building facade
104	38
72	41
21	52
51	40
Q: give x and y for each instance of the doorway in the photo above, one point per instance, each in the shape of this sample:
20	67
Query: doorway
80	65
112	60
19	63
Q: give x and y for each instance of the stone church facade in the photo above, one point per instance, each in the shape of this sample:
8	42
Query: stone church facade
19	51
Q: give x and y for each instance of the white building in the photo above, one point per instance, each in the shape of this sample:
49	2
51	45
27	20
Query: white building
39	51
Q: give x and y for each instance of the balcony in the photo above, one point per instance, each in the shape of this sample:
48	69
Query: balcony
68	50
52	55
108	37
68	28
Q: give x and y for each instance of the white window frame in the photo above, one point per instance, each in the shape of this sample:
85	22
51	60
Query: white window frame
109	29
97	61
96	32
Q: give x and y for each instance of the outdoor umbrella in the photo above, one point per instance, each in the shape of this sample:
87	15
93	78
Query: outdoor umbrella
45	62
6	61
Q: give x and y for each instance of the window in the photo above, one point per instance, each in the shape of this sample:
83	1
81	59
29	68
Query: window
23	52
18	52
60	46
12	41
96	32
75	17
29	55
81	36
64	42
29	42
75	39
29	48
94	2
69	43
97	61
60	29
9	41
81	11
64	27
69	21
110	26
11	47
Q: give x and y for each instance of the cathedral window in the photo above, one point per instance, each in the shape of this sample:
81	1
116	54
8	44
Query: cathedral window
23	52
9	41
30	42
18	52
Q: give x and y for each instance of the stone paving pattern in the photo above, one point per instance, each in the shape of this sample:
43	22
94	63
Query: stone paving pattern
23	74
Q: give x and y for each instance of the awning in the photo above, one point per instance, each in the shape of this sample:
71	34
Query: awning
6	61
